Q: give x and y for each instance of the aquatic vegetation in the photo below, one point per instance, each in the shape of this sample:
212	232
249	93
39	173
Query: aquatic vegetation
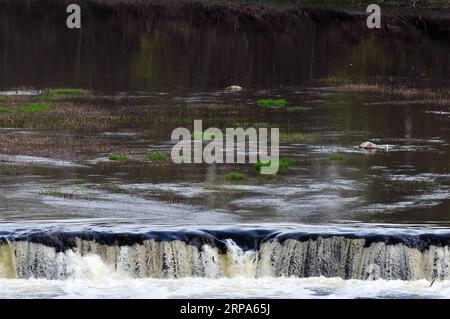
336	157
5	110
257	166
52	193
4	171
296	109
67	91
284	163
34	107
80	182
298	137
155	156
117	157
27	107
236	176
272	103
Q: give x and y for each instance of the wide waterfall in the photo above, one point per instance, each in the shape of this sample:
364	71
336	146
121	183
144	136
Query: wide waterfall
224	255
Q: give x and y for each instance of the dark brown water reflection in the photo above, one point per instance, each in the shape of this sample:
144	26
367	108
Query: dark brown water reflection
124	48
192	56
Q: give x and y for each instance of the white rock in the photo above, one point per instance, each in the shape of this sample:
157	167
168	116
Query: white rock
234	88
368	145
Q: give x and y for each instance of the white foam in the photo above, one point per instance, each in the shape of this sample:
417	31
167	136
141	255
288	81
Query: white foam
238	287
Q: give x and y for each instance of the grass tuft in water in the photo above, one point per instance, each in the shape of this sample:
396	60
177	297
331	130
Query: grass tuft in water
283	165
155	156
117	157
272	103
236	177
80	182
5	110
34	107
336	157
67	91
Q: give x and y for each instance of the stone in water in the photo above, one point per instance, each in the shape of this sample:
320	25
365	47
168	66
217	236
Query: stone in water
368	145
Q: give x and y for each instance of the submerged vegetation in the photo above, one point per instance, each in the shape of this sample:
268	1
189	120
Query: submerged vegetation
286	163
67	91
80	182
117	157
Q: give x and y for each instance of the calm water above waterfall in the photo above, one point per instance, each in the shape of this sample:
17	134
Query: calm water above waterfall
341	222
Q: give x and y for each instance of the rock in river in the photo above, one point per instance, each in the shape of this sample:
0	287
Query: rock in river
368	145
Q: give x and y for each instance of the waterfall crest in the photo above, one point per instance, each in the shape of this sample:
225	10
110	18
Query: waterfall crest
347	257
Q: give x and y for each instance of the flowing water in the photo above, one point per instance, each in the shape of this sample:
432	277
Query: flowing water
375	224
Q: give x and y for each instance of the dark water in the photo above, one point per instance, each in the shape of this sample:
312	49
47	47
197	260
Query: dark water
158	48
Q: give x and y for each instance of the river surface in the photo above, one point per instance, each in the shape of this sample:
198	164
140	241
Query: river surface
184	231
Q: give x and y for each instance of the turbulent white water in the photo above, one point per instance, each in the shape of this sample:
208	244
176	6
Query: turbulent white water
238	287
335	256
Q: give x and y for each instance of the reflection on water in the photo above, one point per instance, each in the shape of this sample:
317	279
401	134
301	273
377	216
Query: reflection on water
146	49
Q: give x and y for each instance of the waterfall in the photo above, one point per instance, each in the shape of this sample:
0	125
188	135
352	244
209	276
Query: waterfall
347	257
